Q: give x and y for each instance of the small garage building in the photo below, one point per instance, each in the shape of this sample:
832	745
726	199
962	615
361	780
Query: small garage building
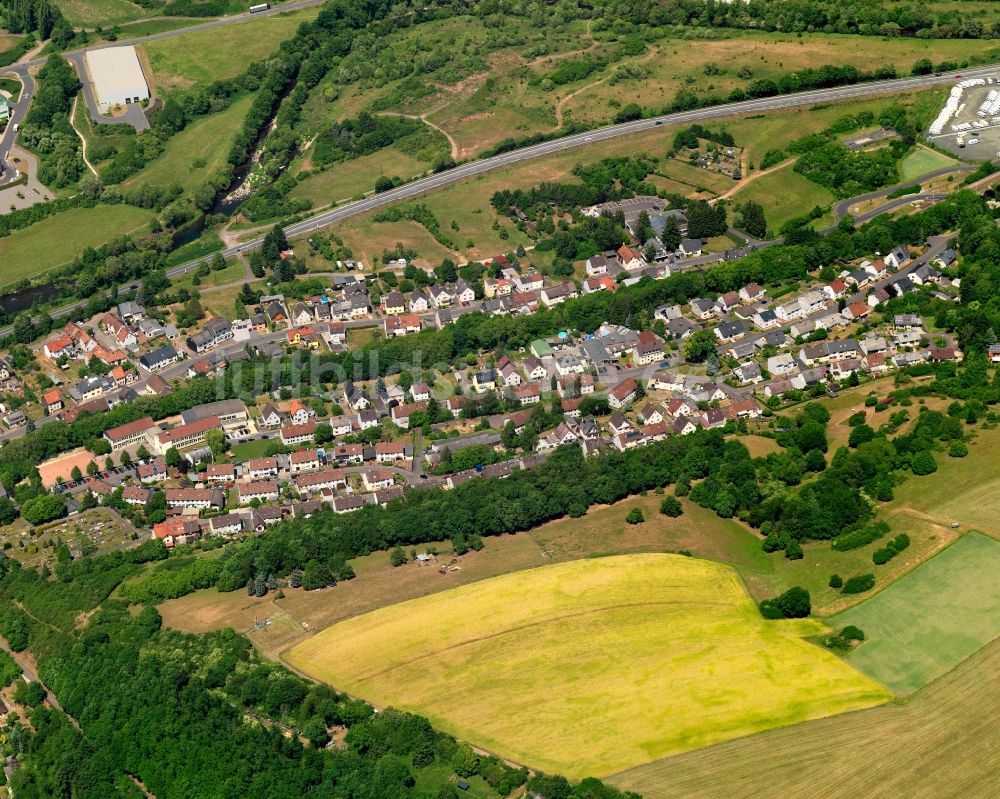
117	76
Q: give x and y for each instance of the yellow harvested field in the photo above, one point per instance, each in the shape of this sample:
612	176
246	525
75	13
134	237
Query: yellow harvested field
592	666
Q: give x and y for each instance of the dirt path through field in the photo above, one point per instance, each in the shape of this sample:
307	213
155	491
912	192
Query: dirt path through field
83	139
423	118
751	178
560	106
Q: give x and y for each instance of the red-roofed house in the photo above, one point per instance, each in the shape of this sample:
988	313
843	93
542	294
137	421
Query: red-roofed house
52	402
624	393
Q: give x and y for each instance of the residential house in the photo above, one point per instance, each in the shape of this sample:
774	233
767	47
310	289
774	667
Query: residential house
751	292
52	402
631	259
558	294
390	451
691	247
297	433
261	490
484	381
600	283
136	495
225	525
527	394
393	303
623	394
730	331
835	289
899	257
464	293
748	373
299	412
402	325
159	358
195	498
702	309
220	473
534	369
153	471
301	315
346	454
269	417
782	364
214	332
303	460
650	413
260	468
176	532
378	479
400	414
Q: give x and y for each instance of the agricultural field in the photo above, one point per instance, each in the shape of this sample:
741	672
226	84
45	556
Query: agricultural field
197	152
659	653
201	57
939	742
926	623
59	239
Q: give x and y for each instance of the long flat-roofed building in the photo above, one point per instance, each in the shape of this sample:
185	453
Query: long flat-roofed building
117	76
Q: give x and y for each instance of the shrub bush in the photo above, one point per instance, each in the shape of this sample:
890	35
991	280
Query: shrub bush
635	516
793	604
859	584
671	507
836	581
958	449
923	464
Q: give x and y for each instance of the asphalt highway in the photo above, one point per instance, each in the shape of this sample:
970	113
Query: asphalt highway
475	168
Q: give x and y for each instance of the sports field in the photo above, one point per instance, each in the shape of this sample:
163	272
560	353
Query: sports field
941	742
591	666
929	621
922	161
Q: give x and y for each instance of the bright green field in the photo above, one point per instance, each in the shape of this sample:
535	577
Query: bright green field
206	143
357	176
929	621
201	57
921	161
59	239
591	666
784	194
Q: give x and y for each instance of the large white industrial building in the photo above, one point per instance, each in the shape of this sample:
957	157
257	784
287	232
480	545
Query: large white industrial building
117	76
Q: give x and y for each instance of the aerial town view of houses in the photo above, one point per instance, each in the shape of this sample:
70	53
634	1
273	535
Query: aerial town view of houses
577	400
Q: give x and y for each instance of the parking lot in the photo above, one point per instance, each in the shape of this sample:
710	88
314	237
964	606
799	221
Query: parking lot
973	130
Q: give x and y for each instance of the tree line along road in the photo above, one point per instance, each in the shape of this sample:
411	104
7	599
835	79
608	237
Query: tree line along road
479	167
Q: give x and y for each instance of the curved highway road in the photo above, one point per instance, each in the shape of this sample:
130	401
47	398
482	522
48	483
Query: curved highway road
841	209
474	168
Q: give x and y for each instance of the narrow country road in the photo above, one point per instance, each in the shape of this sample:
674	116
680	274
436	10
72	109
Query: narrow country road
31	674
